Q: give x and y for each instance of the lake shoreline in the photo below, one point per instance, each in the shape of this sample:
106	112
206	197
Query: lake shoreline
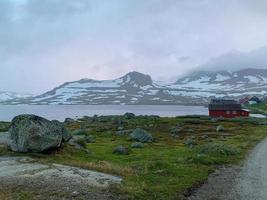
60	112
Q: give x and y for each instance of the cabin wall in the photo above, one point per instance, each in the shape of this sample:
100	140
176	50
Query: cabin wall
228	114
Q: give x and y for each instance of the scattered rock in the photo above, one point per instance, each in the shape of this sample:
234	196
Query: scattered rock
218	148
141	135
129	115
137	145
204	136
31	133
175	131
89	139
120	128
124	132
75	194
69	120
118	122
81	131
214	120
80	141
220	128
193	121
121	150
190	142
191	130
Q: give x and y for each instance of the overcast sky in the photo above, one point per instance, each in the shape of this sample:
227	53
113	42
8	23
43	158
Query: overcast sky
44	43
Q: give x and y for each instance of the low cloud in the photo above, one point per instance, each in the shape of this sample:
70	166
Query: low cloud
47	42
238	60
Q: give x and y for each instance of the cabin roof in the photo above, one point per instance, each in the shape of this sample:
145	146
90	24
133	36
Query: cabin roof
223	104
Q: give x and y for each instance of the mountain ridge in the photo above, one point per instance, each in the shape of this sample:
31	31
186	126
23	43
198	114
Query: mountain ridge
137	88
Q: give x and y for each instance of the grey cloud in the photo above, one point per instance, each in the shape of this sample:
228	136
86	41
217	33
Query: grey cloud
46	42
238	60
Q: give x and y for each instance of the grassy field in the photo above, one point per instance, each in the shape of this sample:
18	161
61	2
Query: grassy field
171	164
260	108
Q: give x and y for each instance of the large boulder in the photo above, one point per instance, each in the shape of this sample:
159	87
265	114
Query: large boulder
141	135
31	133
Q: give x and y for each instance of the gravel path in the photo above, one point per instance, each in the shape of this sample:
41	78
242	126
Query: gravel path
248	182
251	184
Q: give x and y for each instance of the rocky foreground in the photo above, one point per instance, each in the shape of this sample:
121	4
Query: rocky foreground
143	151
25	177
22	175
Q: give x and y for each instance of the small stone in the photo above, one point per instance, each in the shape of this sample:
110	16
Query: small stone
220	128
120	128
138	145
190	142
121	150
141	135
75	194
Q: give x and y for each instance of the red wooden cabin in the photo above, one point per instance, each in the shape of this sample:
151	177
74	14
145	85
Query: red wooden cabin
226	108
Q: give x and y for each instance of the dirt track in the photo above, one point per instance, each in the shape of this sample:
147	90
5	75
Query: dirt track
248	182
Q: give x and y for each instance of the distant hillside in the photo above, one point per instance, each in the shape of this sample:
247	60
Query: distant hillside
137	88
5	96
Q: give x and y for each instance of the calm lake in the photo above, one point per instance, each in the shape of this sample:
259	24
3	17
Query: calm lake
60	112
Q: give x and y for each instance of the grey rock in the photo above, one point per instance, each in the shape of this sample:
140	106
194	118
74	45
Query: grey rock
124	132
120	128
121	150
81	131
175	131
69	120
90	139
138	145
141	135
190	142
220	128
129	115
31	133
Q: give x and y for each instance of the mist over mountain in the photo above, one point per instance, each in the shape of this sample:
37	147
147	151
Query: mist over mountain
236	60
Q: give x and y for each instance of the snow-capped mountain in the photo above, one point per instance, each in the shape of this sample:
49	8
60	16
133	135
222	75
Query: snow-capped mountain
137	88
224	83
5	95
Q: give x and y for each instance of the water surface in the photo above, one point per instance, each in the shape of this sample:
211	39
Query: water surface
60	112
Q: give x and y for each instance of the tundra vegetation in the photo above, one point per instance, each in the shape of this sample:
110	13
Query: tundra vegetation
260	108
157	157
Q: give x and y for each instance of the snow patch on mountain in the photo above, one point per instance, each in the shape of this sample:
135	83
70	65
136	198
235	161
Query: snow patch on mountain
5	95
138	88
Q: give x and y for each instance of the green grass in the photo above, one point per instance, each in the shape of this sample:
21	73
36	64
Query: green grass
166	168
4	126
260	108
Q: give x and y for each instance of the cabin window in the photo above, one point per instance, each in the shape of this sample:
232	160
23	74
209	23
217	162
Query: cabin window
228	112
234	112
